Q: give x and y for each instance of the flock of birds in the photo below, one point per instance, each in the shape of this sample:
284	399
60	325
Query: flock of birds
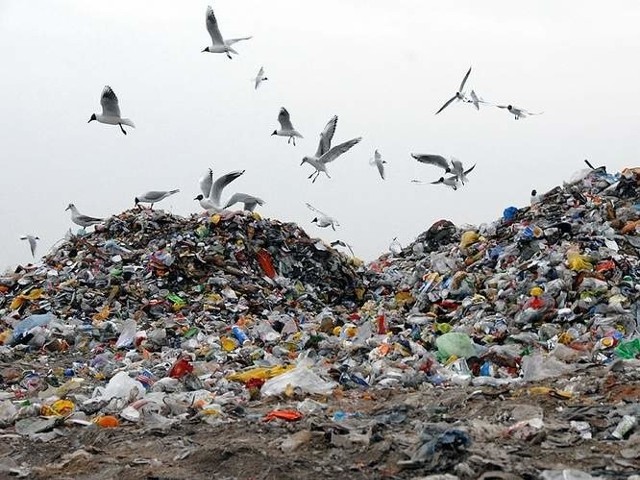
455	174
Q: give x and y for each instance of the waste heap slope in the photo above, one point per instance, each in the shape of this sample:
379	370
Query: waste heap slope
562	273
152	262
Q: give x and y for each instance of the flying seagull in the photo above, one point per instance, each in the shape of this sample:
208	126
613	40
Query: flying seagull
154	196
218	44
212	191
476	100
286	127
32	243
250	202
459	94
80	219
340	243
260	78
378	162
322	219
325	153
517	112
111	111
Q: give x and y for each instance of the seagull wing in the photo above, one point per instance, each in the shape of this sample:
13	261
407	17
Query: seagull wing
86	218
259	76
243	198
212	27
464	80
231	41
109	102
220	183
206	183
32	244
327	136
475	100
457	168
379	164
338	150
437	160
447	104
285	121
314	209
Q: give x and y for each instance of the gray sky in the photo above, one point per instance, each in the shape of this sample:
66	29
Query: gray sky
383	67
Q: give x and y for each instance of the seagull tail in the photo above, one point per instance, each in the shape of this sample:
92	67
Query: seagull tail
232	50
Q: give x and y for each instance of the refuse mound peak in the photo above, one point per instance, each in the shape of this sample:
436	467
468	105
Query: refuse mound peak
239	262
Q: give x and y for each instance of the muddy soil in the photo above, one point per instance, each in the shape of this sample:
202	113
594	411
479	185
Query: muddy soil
389	434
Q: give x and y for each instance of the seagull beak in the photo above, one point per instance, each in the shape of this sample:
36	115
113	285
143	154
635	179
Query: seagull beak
302	162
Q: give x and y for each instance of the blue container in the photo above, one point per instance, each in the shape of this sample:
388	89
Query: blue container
240	335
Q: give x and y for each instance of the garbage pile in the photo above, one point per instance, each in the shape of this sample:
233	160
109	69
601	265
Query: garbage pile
530	295
154	319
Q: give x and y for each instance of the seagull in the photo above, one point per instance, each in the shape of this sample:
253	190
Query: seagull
80	219
459	172
286	127
518	112
218	44
476	100
260	78
250	202
212	191
340	243
111	111
378	162
32	243
394	247
459	94
324	153
154	196
322	219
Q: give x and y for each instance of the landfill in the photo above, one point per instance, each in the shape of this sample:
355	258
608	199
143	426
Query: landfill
235	346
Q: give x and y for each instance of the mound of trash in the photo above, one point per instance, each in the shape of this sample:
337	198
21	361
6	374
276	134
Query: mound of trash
150	263
561	275
154	321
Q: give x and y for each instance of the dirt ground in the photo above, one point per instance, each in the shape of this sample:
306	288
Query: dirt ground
361	434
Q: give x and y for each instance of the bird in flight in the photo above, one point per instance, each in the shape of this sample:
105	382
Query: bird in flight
460	95
218	44
111	111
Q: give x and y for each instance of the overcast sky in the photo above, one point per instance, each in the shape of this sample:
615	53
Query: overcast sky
383	67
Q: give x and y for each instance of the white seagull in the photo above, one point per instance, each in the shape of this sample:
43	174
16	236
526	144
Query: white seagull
325	153
476	100
340	243
33	239
322	219
80	219
218	44
250	202
111	111
212	191
286	127
517	112
154	196
260	78
459	94
378	162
